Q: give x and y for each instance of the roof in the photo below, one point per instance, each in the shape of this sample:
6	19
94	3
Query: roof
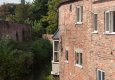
66	1
56	35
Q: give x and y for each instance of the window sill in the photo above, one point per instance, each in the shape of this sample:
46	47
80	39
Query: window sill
66	62
95	32
80	66
79	23
113	33
55	62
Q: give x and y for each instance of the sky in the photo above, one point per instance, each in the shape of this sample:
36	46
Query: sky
12	1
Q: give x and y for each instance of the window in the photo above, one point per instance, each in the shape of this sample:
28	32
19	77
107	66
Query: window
66	55
56	57
95	22
79	14
78	58
56	45
110	22
56	50
100	75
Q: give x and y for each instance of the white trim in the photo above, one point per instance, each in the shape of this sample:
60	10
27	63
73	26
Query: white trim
107	12
100	70
80	16
97	72
55	62
79	22
110	14
80	66
66	61
54	50
54	73
95	21
107	33
78	50
66	48
55	40
95	32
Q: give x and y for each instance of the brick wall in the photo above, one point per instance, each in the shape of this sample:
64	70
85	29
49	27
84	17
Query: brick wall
18	32
98	49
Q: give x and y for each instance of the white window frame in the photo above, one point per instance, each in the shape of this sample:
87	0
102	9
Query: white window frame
107	31
101	74
54	51
110	23
79	17
80	63
95	26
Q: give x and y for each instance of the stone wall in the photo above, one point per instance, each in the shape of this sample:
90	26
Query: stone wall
18	32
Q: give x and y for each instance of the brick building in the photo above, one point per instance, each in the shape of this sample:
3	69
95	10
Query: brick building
17	32
87	39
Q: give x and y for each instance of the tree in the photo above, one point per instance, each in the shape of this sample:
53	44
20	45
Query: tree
15	64
25	61
22	12
39	9
7	9
52	16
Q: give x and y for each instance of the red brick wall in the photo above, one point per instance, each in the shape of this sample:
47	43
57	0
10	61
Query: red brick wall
11	29
96	48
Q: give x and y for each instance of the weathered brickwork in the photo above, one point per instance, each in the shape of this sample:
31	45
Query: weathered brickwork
17	32
98	49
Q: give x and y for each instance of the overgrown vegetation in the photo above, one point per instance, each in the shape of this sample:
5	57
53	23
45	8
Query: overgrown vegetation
28	60
24	61
43	12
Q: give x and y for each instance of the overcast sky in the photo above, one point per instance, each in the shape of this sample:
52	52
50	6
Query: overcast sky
12	1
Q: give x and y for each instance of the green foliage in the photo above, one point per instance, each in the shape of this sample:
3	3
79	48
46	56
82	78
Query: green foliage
24	61
39	9
37	29
14	64
42	58
7	9
22	12
29	60
41	14
52	16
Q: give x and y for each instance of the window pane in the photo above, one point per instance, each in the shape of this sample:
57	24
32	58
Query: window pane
103	76
107	21
98	75
56	57
78	14
80	58
66	55
114	21
56	46
95	22
77	58
81	13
